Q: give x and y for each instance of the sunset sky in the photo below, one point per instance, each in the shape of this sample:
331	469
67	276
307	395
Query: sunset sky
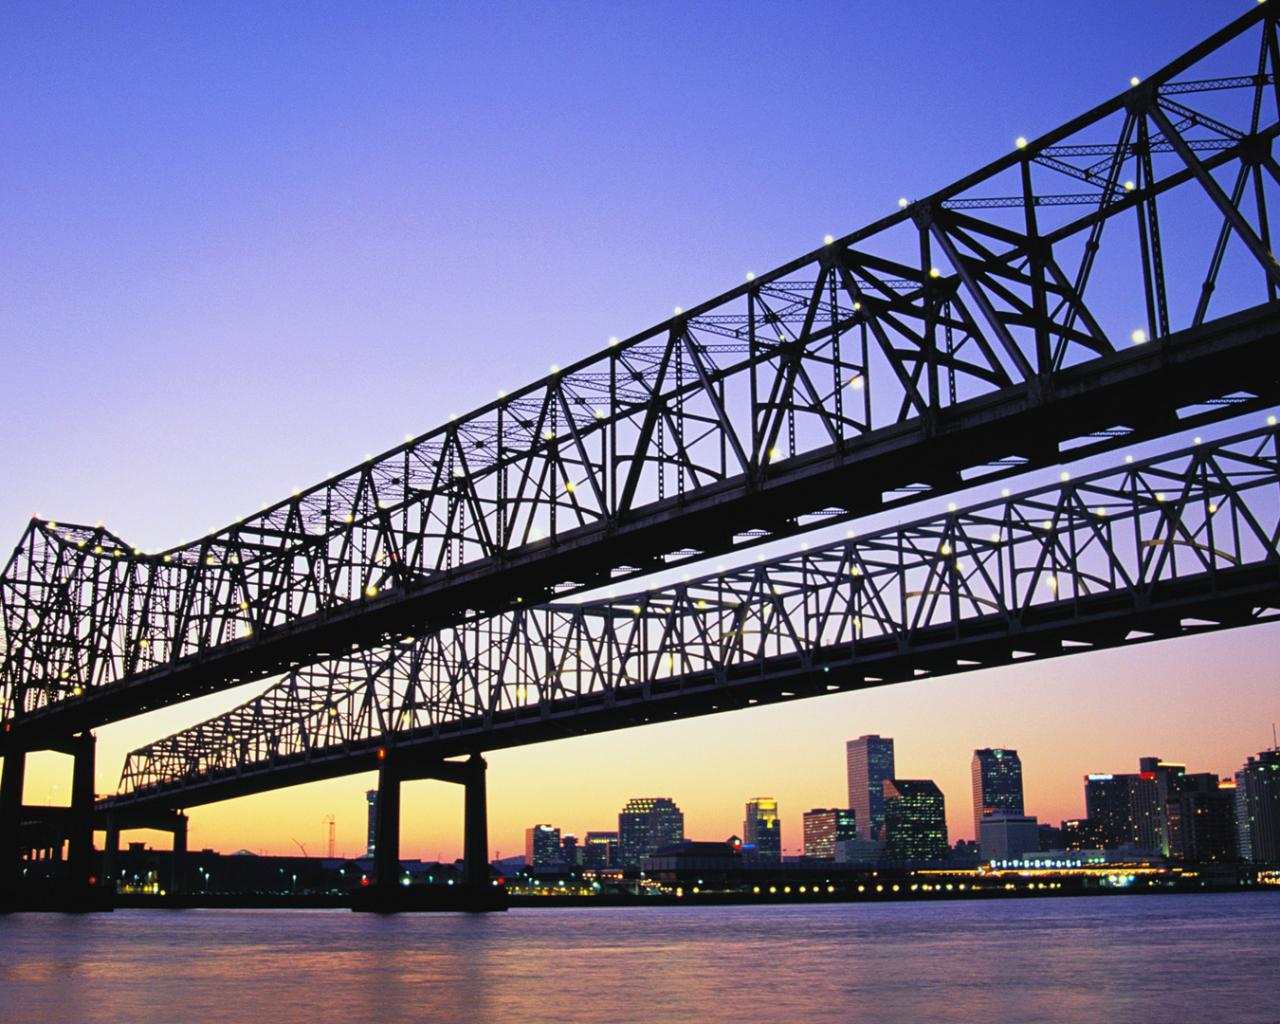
245	244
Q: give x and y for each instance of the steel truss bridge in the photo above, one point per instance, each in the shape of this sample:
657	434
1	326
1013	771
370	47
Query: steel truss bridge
1174	545
1108	282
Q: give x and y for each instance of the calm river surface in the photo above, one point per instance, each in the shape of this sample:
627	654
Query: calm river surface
1176	959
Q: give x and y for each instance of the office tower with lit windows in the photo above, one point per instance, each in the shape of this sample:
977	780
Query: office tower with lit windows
600	850
824	827
371	843
763	829
1258	808
869	760
915	820
997	784
646	824
1108	802
542	846
1200	819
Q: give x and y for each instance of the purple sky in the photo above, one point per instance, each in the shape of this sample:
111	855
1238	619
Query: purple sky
244	244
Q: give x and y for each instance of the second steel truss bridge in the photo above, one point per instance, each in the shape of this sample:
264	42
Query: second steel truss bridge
1168	546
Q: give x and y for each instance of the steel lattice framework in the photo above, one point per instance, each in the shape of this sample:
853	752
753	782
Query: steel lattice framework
960	333
1174	544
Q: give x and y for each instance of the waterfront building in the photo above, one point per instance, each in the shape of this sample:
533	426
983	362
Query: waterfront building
1109	806
763	829
1200	820
869	762
1258	807
915	820
1084	834
646	824
1129	808
1008	836
542	846
570	851
826	826
997	784
600	850
371	842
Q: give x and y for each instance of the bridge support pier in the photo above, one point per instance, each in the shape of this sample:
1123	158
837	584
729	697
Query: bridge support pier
111	855
475	853
387	894
12	781
386	853
80	847
178	859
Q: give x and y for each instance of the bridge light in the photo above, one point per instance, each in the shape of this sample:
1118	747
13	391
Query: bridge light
774	453
935	272
350	518
555	368
827	239
1134	80
1212	508
1004	492
1045	524
97	550
1129	186
750	276
382	753
902	203
995	538
1020	142
1159	495
599	414
370	591
1195	440
678	310
945	549
568	486
1271	421
857	306
1052	583
1139	336
613	342
951	506
1064	476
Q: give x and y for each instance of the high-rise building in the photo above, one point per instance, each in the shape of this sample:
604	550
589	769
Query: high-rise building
1200	819
826	826
371	843
1007	836
1134	809
869	760
1258	807
600	850
1084	834
1108	802
915	820
645	824
763	829
997	784
570	851
542	846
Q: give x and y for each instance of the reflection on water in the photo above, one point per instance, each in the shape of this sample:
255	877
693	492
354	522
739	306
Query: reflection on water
1150	958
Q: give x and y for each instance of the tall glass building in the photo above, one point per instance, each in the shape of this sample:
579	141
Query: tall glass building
645	824
1258	807
763	829
915	820
542	846
870	764
997	784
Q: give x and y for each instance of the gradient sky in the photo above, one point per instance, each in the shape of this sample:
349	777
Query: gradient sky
245	244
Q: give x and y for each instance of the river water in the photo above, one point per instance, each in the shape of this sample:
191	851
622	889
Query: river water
1181	959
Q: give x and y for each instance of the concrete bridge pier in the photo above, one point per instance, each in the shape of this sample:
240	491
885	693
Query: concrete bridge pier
387	894
12	779
81	868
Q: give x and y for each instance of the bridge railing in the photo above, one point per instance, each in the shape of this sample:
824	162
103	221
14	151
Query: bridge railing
1127	534
1070	246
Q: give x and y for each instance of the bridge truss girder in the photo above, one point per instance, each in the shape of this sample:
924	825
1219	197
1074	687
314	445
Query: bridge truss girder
1167	546
738	417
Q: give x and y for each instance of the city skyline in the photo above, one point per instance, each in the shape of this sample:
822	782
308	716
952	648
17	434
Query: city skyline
148	301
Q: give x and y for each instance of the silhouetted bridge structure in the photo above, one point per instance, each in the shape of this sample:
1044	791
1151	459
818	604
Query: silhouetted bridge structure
1034	312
